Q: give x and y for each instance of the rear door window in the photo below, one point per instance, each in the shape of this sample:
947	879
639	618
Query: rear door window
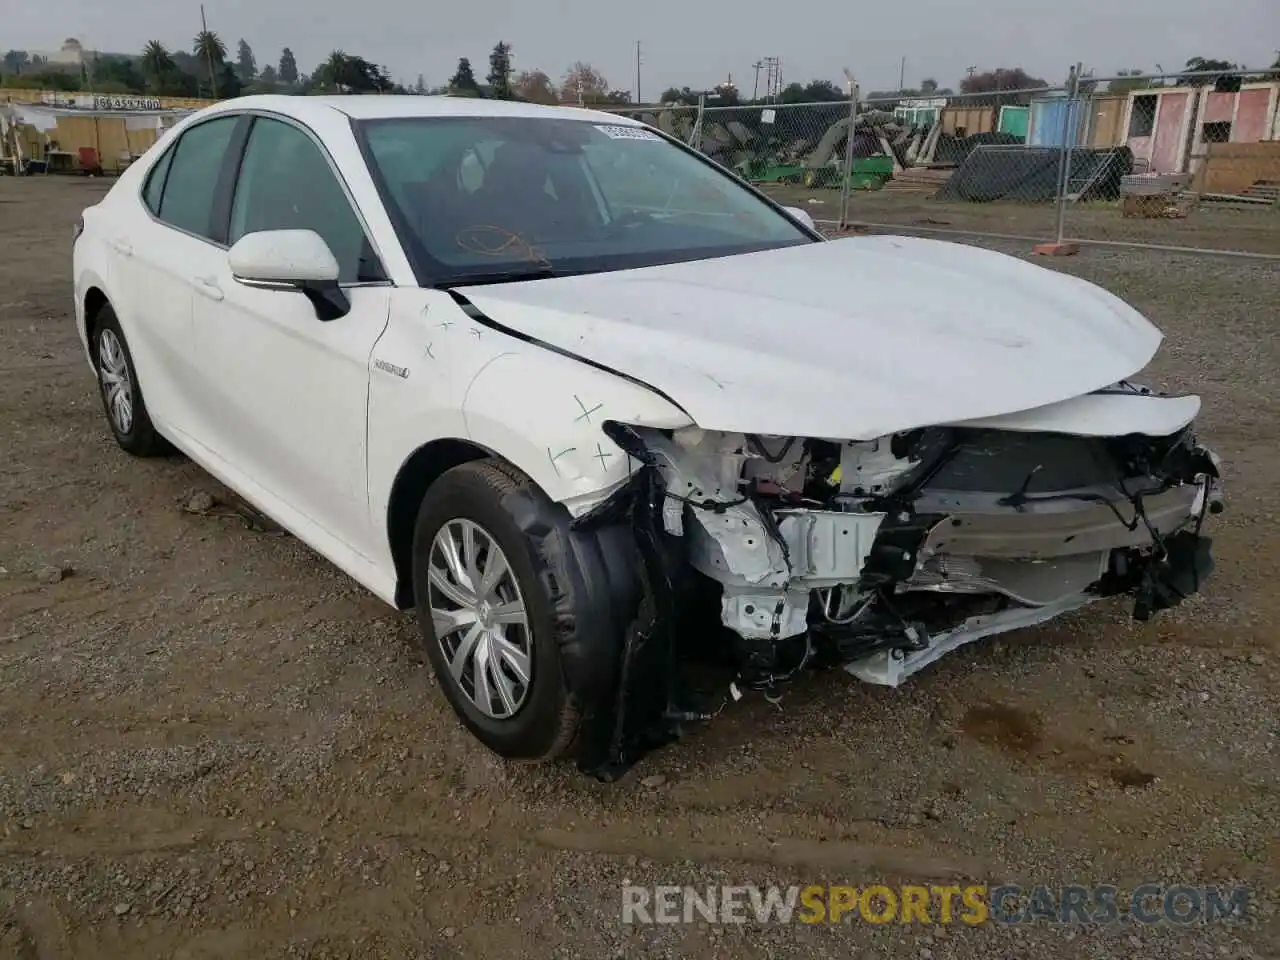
192	177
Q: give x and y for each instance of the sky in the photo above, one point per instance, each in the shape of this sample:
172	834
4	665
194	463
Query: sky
686	43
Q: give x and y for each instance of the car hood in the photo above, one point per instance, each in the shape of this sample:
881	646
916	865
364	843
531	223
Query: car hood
851	339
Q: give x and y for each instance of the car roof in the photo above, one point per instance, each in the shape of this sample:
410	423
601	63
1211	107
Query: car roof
375	107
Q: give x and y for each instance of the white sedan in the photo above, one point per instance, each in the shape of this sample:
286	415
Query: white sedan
588	403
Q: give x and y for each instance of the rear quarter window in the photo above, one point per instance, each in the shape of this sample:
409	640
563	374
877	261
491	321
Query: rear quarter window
153	189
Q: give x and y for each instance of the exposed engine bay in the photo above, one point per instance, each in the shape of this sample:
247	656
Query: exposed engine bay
882	556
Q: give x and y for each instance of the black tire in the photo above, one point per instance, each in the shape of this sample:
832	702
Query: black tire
544	728
140	438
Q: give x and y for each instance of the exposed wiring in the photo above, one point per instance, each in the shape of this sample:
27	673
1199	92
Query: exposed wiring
760	448
1129	525
909	629
771	527
509	242
714	506
1141	513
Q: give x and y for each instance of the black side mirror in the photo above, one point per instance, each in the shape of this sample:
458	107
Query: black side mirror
327	297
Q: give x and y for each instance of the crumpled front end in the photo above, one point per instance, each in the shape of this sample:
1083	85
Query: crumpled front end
882	556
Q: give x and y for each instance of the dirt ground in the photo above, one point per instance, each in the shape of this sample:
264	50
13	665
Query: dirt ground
213	744
1209	226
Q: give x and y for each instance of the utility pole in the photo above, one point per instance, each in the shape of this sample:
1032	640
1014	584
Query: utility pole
755	88
902	76
772	77
638	100
208	55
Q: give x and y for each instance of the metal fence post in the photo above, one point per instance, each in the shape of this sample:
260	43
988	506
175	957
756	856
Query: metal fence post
695	135
1068	142
848	154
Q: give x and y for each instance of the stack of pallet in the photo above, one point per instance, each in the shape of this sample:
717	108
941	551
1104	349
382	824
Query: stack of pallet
1267	191
918	180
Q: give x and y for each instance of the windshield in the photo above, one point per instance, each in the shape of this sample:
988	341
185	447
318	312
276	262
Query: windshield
477	198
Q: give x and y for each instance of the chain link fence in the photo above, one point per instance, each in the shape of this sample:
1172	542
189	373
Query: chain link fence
1188	161
1201	153
795	151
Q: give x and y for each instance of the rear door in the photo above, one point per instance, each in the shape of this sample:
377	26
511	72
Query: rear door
289	392
161	253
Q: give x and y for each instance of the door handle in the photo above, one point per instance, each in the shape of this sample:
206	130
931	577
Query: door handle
122	247
209	287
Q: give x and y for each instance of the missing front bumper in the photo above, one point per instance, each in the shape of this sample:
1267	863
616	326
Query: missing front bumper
1022	560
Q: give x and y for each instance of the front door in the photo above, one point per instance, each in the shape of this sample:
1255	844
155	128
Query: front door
292	391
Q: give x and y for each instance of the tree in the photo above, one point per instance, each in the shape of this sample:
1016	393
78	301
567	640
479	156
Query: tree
1201	65
331	72
54	80
189	63
208	46
288	69
246	63
1002	78
928	85
211	52
364	76
420	85
499	77
343	72
229	84
156	61
463	82
120	74
815	91
268	77
584	83
536	87
15	60
823	91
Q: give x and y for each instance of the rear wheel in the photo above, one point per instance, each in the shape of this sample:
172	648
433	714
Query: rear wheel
121	395
485	618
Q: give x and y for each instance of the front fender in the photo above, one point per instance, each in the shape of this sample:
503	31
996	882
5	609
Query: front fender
544	412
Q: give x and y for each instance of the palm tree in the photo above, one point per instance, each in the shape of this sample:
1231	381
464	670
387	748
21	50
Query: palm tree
208	46
155	60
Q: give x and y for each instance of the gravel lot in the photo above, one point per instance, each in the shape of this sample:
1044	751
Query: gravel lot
1210	226
216	745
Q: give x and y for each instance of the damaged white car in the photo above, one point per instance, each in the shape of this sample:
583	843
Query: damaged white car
588	402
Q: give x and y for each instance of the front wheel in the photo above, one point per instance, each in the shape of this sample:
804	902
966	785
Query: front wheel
485	618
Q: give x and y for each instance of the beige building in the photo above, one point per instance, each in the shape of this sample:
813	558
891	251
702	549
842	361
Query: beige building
71	56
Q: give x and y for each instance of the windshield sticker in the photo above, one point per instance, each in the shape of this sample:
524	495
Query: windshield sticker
618	132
